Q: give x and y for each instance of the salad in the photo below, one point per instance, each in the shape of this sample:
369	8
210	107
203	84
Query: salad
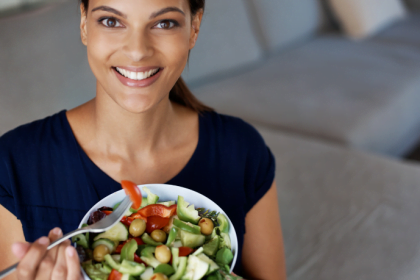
157	240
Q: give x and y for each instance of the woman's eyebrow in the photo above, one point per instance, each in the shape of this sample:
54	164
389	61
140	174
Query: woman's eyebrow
166	10
109	9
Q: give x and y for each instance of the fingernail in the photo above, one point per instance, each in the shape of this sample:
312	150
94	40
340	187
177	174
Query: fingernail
57	231
70	251
44	240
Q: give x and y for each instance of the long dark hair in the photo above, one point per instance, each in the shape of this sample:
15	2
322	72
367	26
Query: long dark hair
180	93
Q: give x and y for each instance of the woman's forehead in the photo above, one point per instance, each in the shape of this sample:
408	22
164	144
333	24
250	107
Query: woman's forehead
141	6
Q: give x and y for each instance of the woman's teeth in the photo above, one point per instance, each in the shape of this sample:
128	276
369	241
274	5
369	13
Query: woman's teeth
137	75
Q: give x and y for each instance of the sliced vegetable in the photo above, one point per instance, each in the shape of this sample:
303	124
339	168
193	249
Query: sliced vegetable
211	247
187	226
223	223
156	222
133	192
172	235
158	210
187	213
165	269
212	265
181	268
196	269
147	274
151	198
224	256
167	203
191	240
132	268
225	241
175	257
147	256
80	240
104	241
115	275
117	233
185	251
148	240
127	252
111	262
198	251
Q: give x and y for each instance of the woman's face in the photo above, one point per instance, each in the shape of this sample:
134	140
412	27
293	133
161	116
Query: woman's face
137	49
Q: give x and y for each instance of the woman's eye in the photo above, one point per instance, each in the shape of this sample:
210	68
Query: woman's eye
166	24
110	22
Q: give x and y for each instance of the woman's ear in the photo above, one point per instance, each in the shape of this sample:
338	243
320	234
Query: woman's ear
196	23
83	27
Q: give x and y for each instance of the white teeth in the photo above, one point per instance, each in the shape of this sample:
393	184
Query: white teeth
137	75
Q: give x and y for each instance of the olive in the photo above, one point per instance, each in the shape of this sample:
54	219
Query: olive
158	235
137	227
206	226
163	254
159	276
100	252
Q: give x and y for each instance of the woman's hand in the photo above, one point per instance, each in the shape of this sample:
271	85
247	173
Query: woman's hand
36	262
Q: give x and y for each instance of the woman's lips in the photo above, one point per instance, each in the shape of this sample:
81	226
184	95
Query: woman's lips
137	83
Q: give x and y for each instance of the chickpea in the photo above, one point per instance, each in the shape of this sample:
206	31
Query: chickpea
137	227
159	276
99	252
206	226
158	235
163	254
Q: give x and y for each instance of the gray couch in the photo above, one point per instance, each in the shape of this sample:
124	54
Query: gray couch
333	111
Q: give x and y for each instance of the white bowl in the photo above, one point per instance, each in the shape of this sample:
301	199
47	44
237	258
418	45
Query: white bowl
167	193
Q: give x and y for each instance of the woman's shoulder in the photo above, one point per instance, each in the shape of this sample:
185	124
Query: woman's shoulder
234	129
31	135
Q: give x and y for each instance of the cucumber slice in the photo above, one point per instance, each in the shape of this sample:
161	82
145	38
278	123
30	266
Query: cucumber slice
192	240
151	198
223	223
175	258
167	203
104	241
117	233
198	251
177	244
212	265
182	266
147	274
225	241
196	269
80	240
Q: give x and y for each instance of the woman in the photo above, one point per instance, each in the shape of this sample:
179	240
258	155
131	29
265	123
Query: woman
145	126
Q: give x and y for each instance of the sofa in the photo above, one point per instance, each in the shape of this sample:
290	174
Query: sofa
337	114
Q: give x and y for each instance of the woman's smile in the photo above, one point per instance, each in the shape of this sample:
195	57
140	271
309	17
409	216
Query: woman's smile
137	77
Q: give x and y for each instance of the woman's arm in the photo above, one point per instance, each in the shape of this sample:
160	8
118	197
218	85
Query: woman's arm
12	232
263	252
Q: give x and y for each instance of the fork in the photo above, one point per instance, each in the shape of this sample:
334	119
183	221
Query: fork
103	225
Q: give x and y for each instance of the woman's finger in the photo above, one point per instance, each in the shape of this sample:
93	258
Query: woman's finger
60	269
48	263
73	265
28	265
20	249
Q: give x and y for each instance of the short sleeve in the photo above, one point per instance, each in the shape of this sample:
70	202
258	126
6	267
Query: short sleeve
6	197
260	169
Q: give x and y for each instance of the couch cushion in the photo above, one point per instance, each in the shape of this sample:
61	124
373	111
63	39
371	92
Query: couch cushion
406	32
226	41
345	214
285	22
43	65
362	95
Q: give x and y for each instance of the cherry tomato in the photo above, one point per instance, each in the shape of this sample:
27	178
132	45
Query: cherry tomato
133	192
185	251
156	222
158	210
115	275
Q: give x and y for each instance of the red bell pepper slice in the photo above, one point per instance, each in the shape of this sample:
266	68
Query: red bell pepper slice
137	259
156	222
158	210
115	275
138	216
185	251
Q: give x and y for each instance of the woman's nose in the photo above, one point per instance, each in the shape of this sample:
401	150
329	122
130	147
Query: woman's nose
138	46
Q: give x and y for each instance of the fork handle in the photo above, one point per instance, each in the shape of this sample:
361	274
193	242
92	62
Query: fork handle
12	268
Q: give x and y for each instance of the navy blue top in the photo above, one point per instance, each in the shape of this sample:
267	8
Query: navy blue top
47	180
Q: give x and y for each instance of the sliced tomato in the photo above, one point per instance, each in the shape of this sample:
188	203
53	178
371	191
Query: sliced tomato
106	212
137	259
133	192
115	275
158	210
185	251
156	222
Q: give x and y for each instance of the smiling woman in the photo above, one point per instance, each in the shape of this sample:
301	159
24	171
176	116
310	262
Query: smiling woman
144	125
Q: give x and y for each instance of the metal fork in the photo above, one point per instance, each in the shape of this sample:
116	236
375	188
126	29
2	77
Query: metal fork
103	225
